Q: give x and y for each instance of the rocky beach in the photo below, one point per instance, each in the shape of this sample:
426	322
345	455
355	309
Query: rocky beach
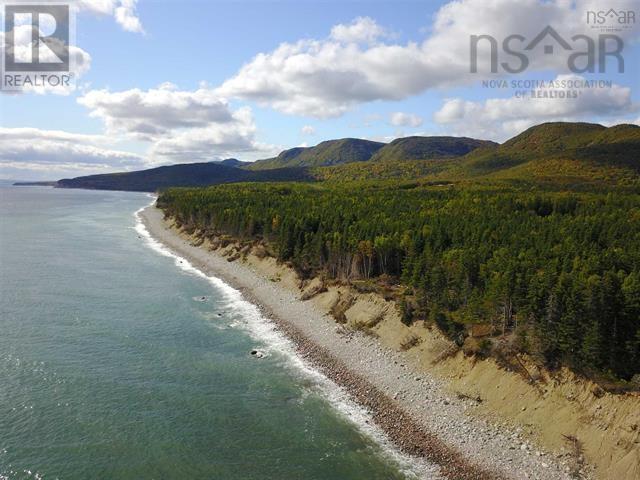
414	409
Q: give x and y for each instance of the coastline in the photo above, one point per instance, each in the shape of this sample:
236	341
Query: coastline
411	407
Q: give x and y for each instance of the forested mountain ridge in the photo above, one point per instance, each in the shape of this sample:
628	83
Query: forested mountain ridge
429	148
188	175
352	150
553	137
233	162
330	152
560	155
593	145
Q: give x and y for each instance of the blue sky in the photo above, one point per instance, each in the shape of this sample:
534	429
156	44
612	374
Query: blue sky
368	69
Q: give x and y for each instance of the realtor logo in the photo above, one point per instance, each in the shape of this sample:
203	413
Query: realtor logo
36	45
47	48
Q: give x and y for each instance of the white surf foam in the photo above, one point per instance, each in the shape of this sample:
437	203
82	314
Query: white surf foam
250	319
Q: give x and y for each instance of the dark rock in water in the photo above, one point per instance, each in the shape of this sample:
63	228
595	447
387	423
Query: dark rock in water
257	353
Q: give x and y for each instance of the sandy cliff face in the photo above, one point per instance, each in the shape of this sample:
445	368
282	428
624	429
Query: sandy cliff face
566	414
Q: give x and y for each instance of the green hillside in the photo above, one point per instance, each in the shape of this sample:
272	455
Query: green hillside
556	155
548	144
331	152
429	148
553	137
386	170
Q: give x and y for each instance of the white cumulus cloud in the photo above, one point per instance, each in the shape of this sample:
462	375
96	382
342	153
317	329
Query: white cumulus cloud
357	64
308	130
500	118
180	125
214	141
123	11
361	30
401	119
147	114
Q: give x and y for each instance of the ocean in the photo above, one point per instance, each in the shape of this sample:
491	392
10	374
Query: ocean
120	361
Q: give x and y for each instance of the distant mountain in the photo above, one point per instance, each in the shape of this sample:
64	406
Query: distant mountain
553	137
429	148
587	142
557	153
182	175
330	152
233	162
35	184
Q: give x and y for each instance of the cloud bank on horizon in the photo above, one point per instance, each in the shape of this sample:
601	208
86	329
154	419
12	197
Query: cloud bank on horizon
359	63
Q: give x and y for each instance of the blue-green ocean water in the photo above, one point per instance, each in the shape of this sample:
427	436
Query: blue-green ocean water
112	366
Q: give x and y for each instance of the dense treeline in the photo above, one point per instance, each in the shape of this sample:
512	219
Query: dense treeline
558	272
